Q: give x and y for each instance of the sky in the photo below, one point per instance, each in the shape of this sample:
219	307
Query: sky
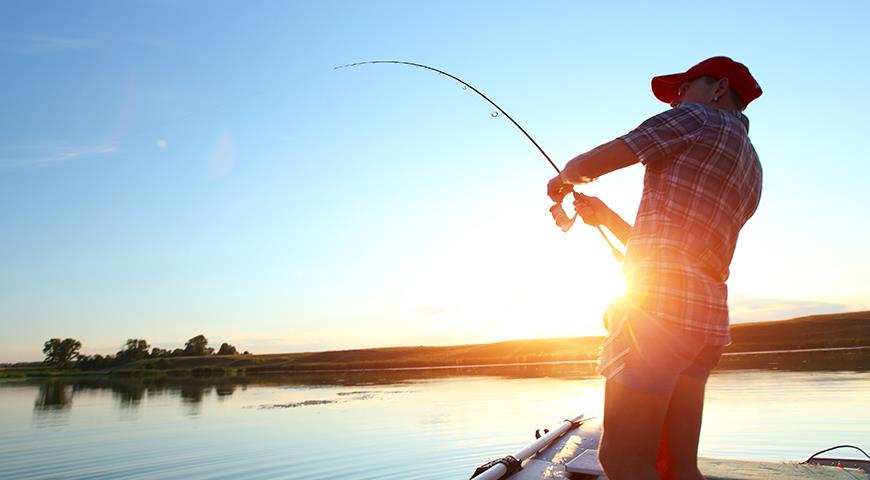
171	168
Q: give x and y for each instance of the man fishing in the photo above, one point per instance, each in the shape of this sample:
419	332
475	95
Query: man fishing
701	184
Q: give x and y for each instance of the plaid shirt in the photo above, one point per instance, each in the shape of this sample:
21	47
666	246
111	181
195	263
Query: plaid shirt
702	183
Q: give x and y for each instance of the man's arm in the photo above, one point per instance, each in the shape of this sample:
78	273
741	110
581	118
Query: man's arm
588	166
600	160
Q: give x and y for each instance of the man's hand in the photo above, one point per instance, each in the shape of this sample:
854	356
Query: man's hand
592	210
558	188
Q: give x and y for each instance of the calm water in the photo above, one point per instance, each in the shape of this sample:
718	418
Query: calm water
418	425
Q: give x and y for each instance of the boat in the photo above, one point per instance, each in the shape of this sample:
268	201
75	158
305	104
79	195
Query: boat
570	451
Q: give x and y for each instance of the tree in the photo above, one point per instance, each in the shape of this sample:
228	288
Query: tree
158	352
95	362
227	349
196	346
61	353
134	349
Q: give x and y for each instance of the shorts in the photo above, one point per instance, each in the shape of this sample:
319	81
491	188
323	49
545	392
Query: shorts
646	354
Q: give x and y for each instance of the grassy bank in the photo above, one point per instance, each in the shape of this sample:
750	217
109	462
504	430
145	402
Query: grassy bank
858	360
21	372
818	331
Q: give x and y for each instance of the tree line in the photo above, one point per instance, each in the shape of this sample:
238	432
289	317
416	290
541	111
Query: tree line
66	353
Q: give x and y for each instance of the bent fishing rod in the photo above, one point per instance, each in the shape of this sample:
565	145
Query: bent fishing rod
559	215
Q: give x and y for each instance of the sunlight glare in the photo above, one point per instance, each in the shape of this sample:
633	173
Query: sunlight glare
502	280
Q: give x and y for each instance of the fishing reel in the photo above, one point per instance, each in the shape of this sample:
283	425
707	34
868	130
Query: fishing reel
562	219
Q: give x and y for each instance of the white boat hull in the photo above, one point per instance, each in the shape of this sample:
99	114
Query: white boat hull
551	463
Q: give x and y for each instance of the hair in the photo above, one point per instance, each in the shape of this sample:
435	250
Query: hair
738	102
732	95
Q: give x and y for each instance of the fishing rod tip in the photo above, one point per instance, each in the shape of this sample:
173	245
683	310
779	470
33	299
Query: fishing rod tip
355	64
346	65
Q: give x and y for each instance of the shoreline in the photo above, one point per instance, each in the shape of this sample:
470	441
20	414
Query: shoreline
761	361
835	341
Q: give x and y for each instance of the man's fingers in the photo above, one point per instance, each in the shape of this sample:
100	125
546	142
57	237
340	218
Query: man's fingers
586	209
589	218
582	206
586	212
556	189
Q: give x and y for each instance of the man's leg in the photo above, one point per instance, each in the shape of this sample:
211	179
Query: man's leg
678	451
633	423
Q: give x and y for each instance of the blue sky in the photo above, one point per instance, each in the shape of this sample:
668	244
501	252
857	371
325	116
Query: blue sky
170	168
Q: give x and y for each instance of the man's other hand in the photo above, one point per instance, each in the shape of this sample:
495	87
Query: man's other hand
592	210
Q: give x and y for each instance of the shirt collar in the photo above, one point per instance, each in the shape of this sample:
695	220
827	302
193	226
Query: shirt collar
743	119
740	116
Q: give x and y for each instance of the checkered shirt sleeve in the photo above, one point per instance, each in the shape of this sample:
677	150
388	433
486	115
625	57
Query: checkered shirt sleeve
667	134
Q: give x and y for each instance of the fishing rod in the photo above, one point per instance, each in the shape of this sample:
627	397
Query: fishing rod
559	215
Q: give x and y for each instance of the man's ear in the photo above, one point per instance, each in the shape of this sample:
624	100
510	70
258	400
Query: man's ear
722	87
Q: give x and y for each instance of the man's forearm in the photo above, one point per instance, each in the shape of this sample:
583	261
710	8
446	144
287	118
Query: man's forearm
618	226
600	160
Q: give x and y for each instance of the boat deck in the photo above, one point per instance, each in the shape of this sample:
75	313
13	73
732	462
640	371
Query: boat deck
550	463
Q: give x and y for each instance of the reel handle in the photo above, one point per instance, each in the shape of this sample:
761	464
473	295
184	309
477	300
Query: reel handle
562	219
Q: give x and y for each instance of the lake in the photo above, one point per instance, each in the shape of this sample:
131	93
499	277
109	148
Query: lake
367	425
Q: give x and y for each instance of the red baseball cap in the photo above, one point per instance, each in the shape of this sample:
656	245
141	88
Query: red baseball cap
665	87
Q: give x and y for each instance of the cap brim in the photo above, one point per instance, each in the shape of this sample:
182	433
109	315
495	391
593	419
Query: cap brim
666	87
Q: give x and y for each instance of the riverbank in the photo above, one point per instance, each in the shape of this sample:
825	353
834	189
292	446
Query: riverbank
834	341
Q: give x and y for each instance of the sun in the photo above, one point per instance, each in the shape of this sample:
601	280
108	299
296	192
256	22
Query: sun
495	280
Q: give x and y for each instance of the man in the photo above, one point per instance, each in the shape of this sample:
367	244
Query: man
701	184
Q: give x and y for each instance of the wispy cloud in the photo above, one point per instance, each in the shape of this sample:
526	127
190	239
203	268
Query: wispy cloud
45	156
756	309
223	157
28	44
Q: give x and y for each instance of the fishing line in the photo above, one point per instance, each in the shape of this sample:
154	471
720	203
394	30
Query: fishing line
558	213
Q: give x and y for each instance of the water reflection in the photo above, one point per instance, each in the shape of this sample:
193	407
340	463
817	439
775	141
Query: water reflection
129	396
192	393
53	396
128	392
58	393
224	390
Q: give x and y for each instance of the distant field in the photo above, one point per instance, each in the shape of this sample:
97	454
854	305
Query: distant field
817	331
813	332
